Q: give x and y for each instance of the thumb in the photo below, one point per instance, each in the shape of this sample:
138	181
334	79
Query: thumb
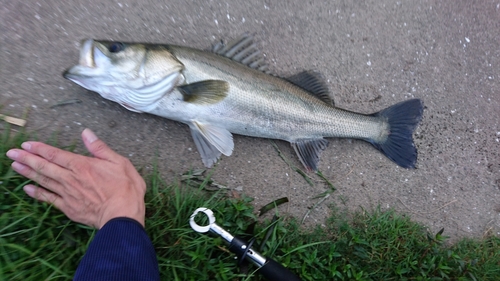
96	146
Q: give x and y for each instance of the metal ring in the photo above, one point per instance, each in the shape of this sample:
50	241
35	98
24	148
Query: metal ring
199	228
245	252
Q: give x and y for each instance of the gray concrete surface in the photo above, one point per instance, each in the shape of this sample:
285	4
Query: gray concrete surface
373	53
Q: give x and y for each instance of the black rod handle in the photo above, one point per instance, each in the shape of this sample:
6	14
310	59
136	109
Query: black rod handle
269	268
274	271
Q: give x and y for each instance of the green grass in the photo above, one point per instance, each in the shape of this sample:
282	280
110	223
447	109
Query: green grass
37	242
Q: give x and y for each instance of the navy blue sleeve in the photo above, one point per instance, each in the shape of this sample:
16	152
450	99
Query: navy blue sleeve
121	250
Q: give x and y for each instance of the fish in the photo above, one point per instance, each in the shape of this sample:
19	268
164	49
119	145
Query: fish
230	90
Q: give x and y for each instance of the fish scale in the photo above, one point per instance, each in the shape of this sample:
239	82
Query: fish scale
294	114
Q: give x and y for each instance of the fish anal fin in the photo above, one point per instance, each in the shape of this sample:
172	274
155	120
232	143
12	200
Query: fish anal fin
205	92
211	141
313	83
243	50
309	151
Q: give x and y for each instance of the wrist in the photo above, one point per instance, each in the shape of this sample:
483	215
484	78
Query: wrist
122	219
135	212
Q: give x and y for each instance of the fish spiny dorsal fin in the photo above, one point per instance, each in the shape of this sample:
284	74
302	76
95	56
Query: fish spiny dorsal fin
313	83
243	50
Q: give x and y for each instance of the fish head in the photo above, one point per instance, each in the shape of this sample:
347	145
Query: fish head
133	75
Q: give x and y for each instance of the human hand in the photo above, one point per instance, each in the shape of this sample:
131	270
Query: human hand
89	190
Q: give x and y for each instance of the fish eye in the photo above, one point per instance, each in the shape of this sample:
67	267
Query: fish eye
116	47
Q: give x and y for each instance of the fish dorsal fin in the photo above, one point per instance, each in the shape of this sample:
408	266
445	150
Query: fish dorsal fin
313	83
243	50
205	92
211	141
309	151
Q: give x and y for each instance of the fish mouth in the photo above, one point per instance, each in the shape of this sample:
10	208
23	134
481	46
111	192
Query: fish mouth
88	63
87	53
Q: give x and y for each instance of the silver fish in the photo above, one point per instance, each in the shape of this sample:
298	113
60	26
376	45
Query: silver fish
229	90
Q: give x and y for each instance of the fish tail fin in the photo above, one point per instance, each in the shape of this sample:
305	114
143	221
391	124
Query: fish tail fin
403	118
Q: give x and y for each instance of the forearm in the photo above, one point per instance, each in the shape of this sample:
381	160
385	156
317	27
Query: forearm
121	250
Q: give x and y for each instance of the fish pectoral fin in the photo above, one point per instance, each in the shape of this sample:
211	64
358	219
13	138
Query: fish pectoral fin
309	151
211	141
313	83
205	92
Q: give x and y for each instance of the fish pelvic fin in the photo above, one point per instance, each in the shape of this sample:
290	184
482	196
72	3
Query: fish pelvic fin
211	141
402	118
205	92
309	151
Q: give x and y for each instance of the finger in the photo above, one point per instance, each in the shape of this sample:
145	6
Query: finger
42	195
31	174
33	165
50	153
97	147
